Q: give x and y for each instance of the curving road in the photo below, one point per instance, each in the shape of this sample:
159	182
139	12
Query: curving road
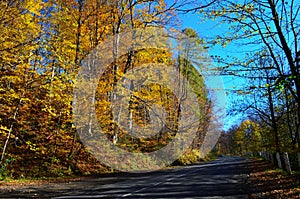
222	178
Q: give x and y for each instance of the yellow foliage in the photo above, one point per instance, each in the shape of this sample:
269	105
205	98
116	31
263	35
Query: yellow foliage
34	6
3	129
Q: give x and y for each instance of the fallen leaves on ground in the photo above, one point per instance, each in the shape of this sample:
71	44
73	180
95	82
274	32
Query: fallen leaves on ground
270	182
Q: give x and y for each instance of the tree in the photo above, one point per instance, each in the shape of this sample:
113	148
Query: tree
247	139
42	45
20	29
270	27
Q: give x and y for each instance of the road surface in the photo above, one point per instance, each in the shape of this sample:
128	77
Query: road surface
222	178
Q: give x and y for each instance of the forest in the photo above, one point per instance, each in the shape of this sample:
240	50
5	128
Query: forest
44	43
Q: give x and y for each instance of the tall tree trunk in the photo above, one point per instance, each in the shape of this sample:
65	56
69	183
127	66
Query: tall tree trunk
292	65
272	114
11	127
77	60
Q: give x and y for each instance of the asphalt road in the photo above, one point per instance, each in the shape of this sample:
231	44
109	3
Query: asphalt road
223	178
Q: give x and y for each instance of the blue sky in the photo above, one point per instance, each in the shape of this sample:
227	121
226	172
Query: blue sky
209	29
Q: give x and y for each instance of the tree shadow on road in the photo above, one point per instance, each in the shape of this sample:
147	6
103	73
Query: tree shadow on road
215	179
